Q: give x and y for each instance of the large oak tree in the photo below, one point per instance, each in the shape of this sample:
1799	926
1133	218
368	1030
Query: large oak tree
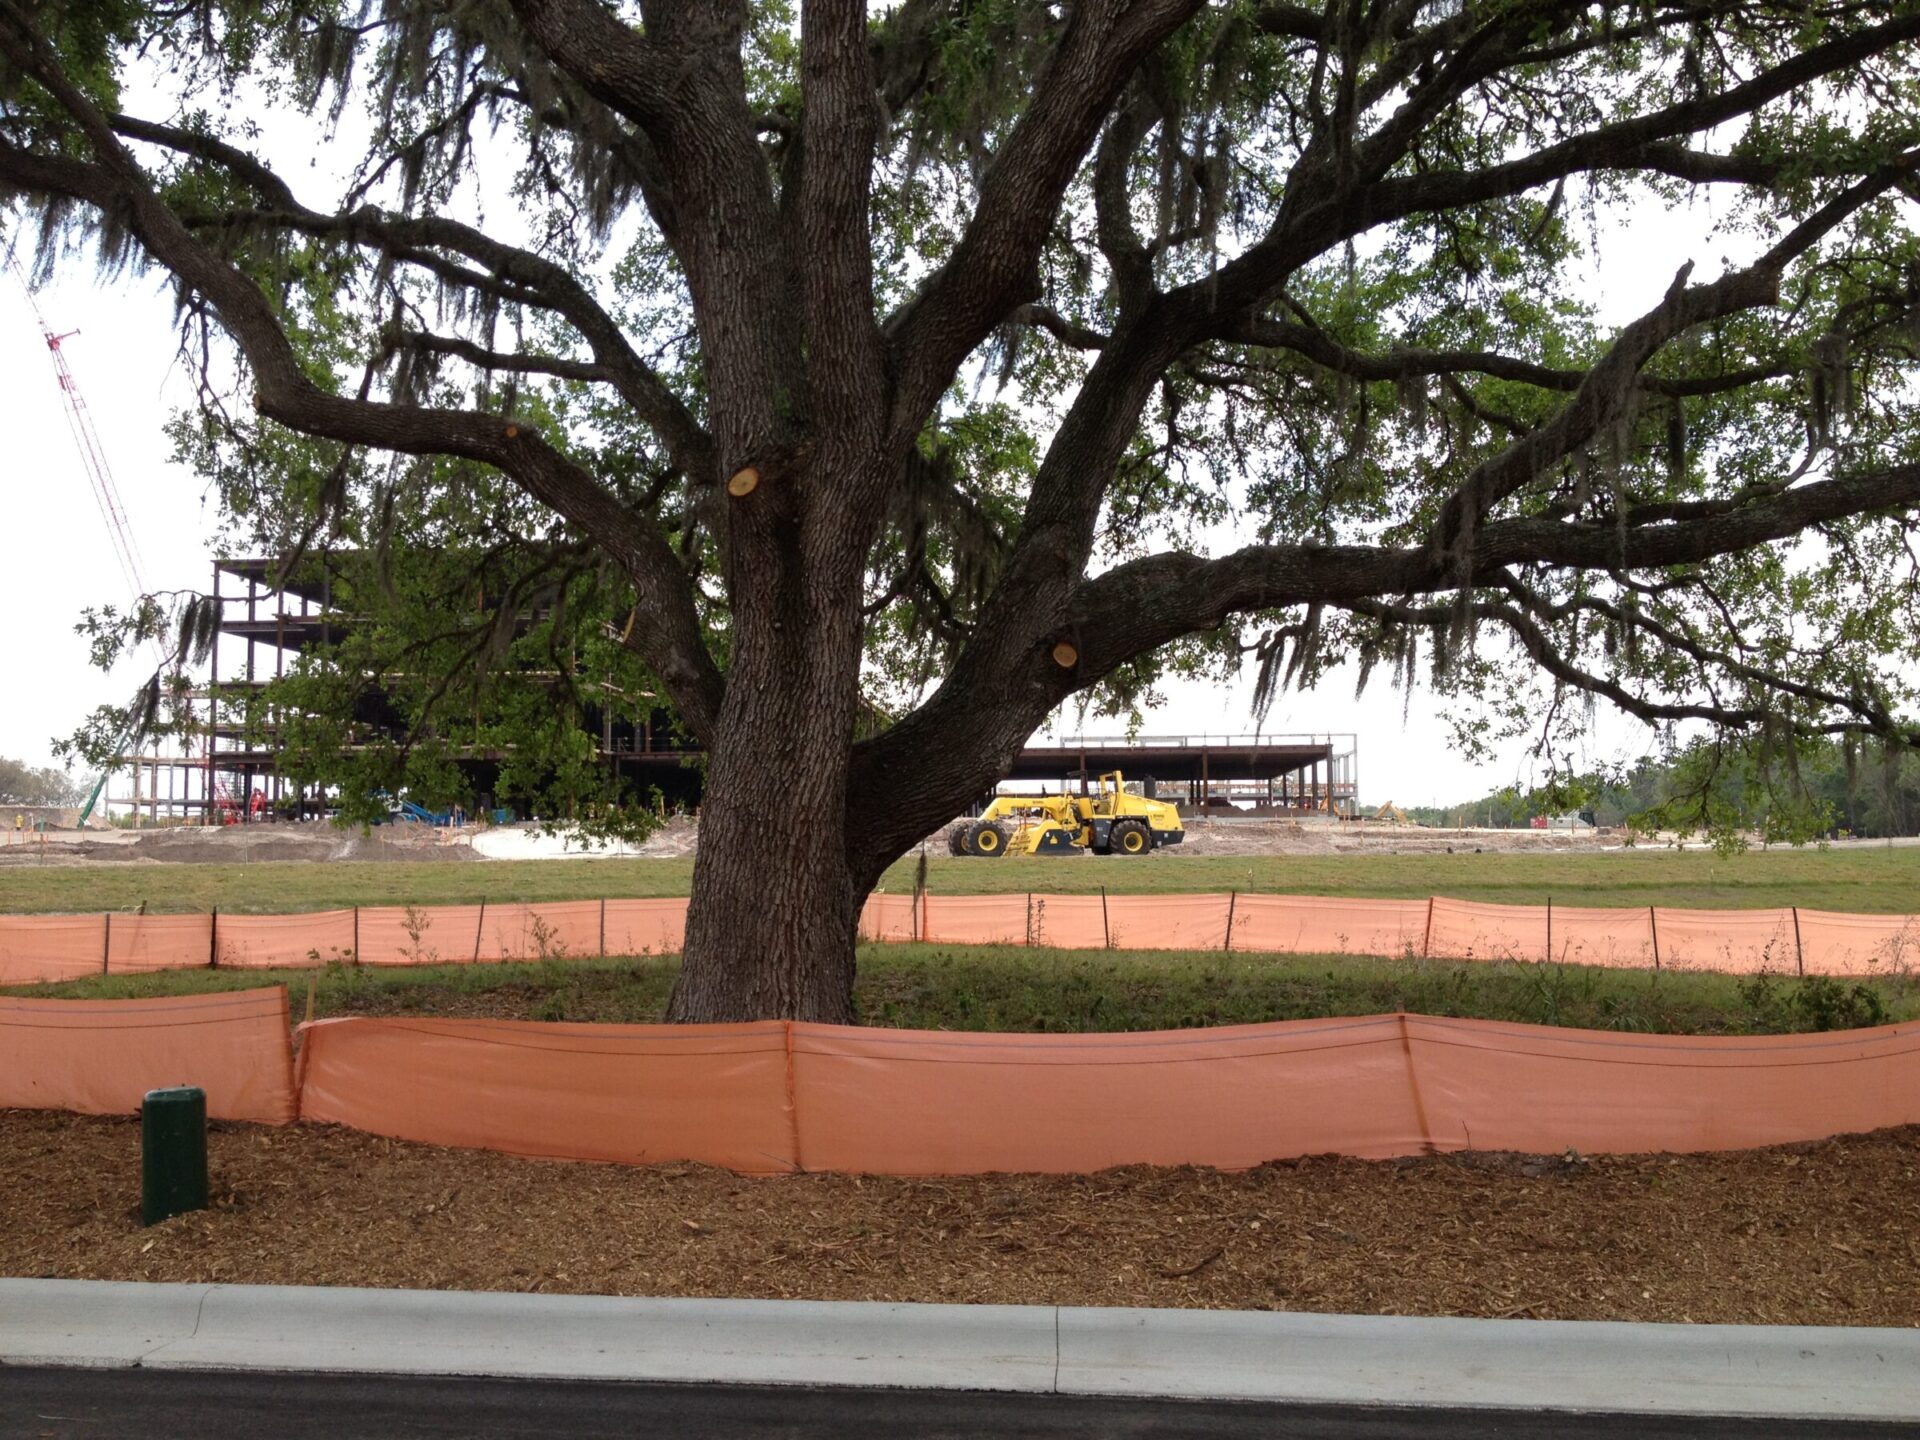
948	338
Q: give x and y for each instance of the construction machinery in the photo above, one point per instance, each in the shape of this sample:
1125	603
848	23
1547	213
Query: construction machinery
1111	821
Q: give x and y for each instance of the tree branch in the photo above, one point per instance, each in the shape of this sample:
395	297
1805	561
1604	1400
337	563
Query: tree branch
535	279
995	265
116	185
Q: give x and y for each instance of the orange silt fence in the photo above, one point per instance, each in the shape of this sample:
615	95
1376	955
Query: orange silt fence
1743	941
137	944
1470	930
275	942
1170	922
551	930
1594	936
646	927
636	1094
890	918
1484	1085
1838	944
903	1102
420	934
1071	922
100	1057
35	949
977	919
1327	925
774	1097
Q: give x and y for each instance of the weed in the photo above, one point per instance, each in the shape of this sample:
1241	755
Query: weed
1778	1005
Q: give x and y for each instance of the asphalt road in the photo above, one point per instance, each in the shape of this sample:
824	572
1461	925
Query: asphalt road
50	1404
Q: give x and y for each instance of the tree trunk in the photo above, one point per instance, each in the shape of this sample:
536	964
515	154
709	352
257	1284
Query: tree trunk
772	924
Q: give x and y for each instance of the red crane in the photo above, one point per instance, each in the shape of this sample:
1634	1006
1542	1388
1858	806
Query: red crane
93	458
93	455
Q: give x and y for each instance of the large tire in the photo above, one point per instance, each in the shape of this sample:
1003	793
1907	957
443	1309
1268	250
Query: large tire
1130	837
957	840
987	839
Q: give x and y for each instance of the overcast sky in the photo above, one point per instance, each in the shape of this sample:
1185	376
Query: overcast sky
59	560
58	557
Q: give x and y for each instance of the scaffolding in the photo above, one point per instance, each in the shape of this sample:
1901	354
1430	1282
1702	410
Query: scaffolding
223	770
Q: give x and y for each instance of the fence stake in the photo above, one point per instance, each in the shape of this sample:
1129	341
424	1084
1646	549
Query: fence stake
1799	955
479	929
603	927
1653	924
1106	929
1233	898
1029	919
106	944
356	934
1549	929
213	941
1426	941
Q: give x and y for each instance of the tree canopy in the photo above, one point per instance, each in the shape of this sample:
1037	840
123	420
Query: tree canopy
24	784
986	353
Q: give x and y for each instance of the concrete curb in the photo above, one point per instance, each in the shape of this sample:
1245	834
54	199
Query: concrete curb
1720	1370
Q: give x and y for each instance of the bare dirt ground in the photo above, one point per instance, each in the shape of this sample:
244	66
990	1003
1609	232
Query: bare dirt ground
679	837
1817	1234
237	844
1212	835
1322	837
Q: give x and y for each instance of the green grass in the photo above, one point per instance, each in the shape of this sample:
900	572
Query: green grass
1010	988
1859	879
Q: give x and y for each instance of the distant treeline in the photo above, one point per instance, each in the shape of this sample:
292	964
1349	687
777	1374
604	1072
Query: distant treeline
1726	791
22	784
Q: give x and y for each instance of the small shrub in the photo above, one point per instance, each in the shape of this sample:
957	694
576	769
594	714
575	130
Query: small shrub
1823	1003
1777	1006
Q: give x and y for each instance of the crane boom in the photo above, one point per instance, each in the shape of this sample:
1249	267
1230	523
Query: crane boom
93	455
106	494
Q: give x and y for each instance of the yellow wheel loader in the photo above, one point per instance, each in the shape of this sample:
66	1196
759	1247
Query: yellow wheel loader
1109	822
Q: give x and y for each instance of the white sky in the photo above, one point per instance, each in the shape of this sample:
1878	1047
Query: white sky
57	558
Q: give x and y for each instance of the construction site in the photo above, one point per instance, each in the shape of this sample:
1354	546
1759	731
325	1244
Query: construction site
230	771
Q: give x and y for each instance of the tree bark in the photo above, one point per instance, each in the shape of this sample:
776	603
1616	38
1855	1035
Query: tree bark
772	923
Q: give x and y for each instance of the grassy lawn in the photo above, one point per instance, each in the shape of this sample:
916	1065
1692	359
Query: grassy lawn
1876	880
1010	988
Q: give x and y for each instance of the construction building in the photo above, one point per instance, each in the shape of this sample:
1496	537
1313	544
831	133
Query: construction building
222	771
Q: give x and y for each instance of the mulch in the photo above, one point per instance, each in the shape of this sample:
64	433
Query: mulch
1821	1234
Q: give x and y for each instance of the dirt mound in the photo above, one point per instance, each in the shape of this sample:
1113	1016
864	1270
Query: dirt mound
243	844
677	838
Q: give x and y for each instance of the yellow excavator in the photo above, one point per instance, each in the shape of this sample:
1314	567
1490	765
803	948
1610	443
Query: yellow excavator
1108	822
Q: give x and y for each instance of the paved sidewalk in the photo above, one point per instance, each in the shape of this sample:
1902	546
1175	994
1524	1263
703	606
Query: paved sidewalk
1718	1370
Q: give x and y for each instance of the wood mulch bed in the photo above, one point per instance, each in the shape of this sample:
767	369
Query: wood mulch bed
1822	1234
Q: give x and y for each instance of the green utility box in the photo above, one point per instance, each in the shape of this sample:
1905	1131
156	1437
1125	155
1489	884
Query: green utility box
173	1153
